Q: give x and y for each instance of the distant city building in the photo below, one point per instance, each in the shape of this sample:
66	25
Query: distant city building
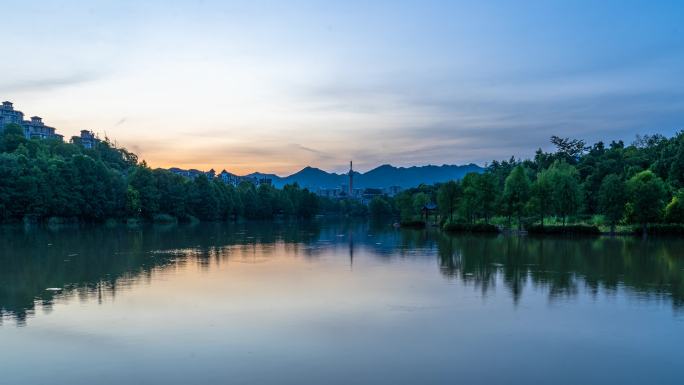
8	115
370	193
333	193
224	176
254	180
33	129
347	190
190	174
87	139
392	190
227	177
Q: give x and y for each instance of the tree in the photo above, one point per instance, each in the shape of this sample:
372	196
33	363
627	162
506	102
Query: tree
447	198
173	193
674	211
404	203
419	201
612	199
676	171
12	137
542	194
379	208
487	195
132	202
265	201
566	189
470	196
516	193
142	180
570	149
646	194
308	204
204	202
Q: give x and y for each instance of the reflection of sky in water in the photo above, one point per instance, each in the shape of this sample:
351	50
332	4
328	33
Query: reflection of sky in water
336	304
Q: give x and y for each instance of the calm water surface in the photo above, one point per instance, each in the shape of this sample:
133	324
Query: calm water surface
336	304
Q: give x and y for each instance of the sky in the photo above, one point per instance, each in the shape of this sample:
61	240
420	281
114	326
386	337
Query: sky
274	86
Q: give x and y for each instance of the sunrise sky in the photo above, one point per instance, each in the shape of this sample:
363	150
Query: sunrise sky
274	86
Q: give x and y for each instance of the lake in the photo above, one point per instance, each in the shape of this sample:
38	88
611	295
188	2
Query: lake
336	303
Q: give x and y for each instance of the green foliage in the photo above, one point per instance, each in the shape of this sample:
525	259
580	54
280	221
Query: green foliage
487	196
132	202
380	208
674	211
419	201
612	199
646	197
542	195
42	179
565	189
447	198
516	192
569	149
404	202
12	137
142	180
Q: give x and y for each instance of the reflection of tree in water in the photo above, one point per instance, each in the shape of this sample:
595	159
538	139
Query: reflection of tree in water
95	263
652	268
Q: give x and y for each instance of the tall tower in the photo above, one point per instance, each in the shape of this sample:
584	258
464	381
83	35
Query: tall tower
351	179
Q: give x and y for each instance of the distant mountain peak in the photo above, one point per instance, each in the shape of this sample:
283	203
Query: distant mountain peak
382	176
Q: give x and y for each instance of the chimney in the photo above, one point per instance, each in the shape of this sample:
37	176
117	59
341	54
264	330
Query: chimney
351	179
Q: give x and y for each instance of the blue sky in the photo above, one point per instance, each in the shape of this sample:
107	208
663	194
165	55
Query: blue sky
275	86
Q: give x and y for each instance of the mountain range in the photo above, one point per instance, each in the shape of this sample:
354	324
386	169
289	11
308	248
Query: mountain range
379	177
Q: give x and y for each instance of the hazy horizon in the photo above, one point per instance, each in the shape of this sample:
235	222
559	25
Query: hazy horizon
273	87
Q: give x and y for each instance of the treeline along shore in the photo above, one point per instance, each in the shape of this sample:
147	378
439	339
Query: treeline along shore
636	188
577	188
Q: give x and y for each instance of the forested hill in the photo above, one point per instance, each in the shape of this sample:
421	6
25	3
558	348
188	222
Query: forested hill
49	179
383	176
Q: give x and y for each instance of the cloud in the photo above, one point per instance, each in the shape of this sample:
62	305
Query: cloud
47	83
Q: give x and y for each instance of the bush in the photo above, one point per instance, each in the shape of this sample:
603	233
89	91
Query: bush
569	229
470	228
413	224
661	229
674	211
